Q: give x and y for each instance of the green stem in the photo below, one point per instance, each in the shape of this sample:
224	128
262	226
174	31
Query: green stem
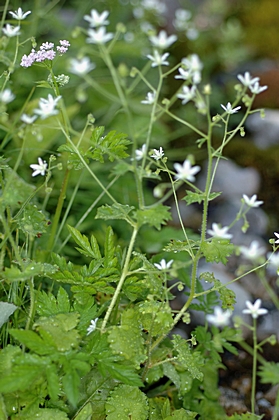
32	304
254	371
276	408
58	211
122	279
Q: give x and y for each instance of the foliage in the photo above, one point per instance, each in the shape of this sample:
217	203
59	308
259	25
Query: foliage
89	255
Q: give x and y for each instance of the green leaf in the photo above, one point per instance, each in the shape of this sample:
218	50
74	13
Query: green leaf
155	216
60	329
71	382
84	247
217	250
29	270
53	384
21	377
156	317
193	197
127	402
126	339
32	340
33	221
269	373
116	211
189	359
6	310
114	145
110	259
47	305
45	414
182	415
17	190
179	246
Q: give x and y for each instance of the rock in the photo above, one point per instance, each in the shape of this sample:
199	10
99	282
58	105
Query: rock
265	131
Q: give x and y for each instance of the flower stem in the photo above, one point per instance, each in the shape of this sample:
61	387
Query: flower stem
122	279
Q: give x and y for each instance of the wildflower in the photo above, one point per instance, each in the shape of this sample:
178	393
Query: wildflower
157	154
11	31
27	119
255	309
99	36
163	265
247	79
162	41
6	96
229	109
277	236
19	15
64	45
186	171
82	66
256	88
96	19
219	232
252	202
92	326
140	152
253	252
220	318
47	107
47	46
158	60
187	94
150	98
194	66
39	169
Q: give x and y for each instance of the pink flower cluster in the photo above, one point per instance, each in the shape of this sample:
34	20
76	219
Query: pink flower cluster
46	52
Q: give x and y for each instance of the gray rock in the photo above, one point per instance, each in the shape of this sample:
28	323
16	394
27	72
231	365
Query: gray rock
265	131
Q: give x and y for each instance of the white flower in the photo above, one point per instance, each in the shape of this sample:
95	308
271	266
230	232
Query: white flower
186	171
158	60
95	19
82	66
247	79
47	107
220	318
162	41
19	15
253	252
219	232
187	94
252	202
39	169
92	326
194	67
256	88
149	99
140	152
228	108
182	16
255	310
99	36
11	31
6	96
157	154
277	236
27	119
163	265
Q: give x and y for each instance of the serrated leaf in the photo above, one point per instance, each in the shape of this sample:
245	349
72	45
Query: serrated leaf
71	382
33	221
110	259
127	402
32	340
18	192
90	249
193	197
61	330
182	415
179	246
114	145
155	216
126	339
116	211
190	359
269	373
53	384
217	250
21	377
30	269
156	317
46	414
